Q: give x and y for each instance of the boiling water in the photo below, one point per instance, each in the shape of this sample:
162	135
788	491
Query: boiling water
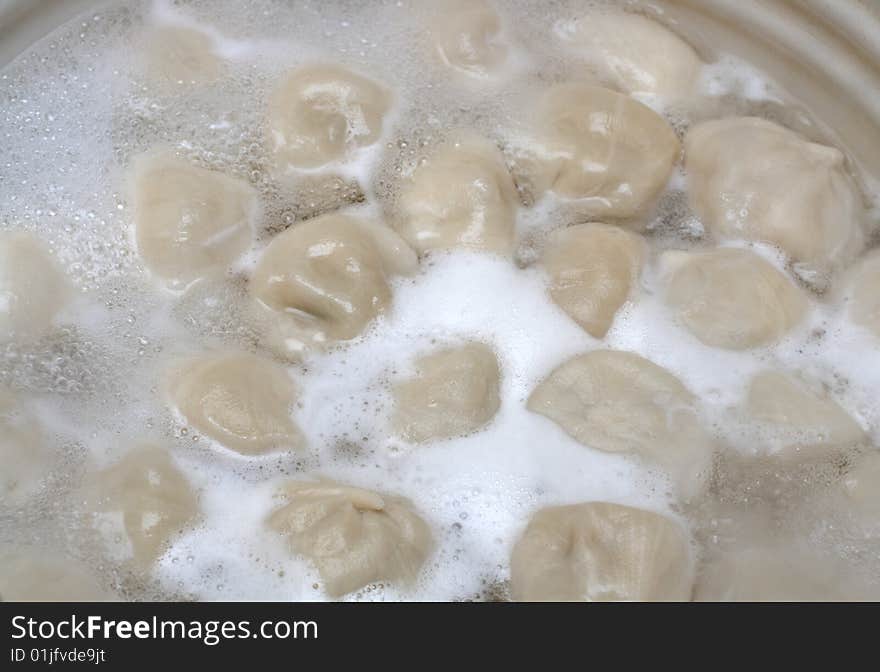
77	107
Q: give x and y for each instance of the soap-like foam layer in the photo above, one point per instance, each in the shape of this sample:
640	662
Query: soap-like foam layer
79	106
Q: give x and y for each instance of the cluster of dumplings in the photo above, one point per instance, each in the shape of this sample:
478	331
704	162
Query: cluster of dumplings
324	281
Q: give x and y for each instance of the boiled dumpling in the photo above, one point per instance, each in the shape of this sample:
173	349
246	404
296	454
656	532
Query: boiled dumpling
620	402
753	179
181	56
772	573
32	289
865	300
601	147
463	196
466	36
732	298
327	278
322	113
635	53
453	392
592	269
189	222
798	416
29	575
601	552
242	401
140	503
23	454
354	537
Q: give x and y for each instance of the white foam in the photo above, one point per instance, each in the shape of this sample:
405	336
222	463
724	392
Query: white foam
729	75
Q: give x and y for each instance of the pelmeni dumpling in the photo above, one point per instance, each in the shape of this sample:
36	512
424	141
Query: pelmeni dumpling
140	503
864	307
620	402
466	35
24	456
31	575
453	392
772	573
798	416
322	113
242	401
731	298
32	289
189	222
592	269
608	151
354	537
462	197
753	179
181	56
600	551
635	53
327	278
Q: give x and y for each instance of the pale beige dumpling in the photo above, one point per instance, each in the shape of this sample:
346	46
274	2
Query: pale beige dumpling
753	179
190	222
354	537
140	504
32	288
462	197
467	37
600	551
592	269
322	113
731	298
799	417
635	53
864	307
611	153
178	56
42	575
775	572
242	401
24	456
454	392
327	278
620	402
